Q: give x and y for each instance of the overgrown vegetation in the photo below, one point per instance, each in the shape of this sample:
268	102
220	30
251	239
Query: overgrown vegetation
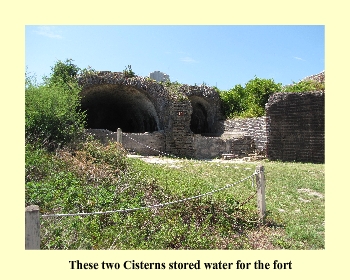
304	86
52	115
90	177
250	100
101	178
128	72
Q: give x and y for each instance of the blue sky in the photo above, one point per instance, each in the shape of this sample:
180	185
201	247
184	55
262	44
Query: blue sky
218	55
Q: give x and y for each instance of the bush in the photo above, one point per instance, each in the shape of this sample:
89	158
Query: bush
52	114
248	101
128	73
234	101
52	117
304	86
258	91
64	73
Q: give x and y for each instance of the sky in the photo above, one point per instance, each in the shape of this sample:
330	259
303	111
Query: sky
217	55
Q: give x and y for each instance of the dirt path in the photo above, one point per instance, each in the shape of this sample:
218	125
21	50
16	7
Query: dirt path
171	161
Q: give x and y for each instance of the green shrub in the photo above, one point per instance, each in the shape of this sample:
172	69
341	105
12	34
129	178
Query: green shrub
52	115
248	101
258	91
64	73
128	73
234	101
304	86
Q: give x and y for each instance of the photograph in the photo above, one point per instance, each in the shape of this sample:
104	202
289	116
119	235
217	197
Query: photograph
175	137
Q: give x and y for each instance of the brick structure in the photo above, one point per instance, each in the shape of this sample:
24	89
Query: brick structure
140	105
252	127
186	120
295	127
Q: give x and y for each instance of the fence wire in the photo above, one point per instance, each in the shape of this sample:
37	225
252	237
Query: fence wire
65	231
153	149
155	205
81	230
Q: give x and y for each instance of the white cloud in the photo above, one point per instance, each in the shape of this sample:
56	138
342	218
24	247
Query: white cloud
48	31
298	58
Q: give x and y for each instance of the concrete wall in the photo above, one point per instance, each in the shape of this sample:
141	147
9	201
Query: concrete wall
214	147
193	145
147	144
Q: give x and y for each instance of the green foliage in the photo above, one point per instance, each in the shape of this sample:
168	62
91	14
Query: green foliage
248	101
96	177
52	115
64	73
304	86
128	72
258	91
100	178
112	154
234	101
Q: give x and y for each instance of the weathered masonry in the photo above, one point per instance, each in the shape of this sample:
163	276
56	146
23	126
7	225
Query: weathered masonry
295	127
186	121
157	115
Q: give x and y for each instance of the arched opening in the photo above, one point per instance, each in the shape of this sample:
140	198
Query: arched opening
118	106
199	117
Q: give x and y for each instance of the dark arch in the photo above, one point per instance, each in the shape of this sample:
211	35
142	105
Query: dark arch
119	106
199	117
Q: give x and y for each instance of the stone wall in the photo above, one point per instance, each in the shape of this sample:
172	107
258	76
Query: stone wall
214	147
295	127
253	127
320	78
146	144
179	137
170	107
153	91
187	117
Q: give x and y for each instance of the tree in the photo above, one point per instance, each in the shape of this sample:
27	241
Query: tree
64	73
234	101
258	90
248	101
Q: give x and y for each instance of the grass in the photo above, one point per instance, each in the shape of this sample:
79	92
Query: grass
101	178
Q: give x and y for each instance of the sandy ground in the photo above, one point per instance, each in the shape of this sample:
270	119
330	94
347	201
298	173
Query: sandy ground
171	161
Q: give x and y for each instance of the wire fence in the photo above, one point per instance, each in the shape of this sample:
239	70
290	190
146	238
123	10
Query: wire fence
156	205
40	228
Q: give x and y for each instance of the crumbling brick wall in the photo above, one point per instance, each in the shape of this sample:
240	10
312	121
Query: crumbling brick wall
171	109
253	127
295	127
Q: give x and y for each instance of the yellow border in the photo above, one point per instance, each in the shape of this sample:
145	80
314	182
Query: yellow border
323	264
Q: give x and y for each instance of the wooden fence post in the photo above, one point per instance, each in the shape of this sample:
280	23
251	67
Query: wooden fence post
260	184
119	135
32	228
